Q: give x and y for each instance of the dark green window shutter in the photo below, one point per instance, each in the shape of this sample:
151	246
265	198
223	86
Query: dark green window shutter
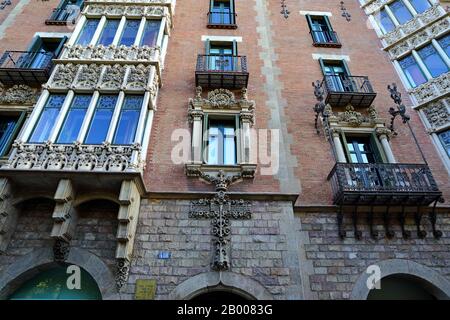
377	149
322	66
60	46
347	69
308	18
327	21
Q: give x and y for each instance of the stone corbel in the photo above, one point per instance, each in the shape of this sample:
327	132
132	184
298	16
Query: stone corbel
8	214
129	199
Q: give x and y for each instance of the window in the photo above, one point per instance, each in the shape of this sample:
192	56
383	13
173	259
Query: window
151	32
87	32
386	22
445	140
109	32
9	127
412	71
400	11
74	119
221	142
420	5
129	32
360	150
128	120
336	73
101	119
67	11
41	52
321	30
444	42
432	60
221	56
221	12
47	118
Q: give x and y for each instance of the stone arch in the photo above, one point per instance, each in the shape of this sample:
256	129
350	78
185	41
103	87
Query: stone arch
437	284
27	266
226	281
87	197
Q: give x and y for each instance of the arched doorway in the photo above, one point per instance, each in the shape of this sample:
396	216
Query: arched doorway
52	284
401	287
219	296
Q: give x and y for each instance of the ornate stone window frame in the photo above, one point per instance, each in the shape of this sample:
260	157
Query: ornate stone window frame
221	102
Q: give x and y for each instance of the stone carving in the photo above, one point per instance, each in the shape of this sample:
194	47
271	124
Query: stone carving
8	213
61	250
138	77
220	210
432	89
122	271
120	10
88	76
144	54
113	77
437	114
353	118
75	157
221	98
18	94
64	75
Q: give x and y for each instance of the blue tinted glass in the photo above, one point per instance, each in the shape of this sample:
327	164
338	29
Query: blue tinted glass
88	31
100	121
400	11
109	32
445	140
129	32
7	126
420	5
47	119
412	71
74	119
386	21
151	32
128	120
433	60
445	44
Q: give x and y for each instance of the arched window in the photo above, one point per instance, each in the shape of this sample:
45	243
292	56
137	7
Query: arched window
401	287
52	285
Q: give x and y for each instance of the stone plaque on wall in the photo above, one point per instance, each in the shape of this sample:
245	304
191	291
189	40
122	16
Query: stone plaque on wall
145	289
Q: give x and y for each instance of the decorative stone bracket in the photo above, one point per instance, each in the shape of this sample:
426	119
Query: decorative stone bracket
221	102
129	199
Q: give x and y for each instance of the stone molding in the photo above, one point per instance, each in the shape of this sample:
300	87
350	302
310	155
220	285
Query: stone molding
75	157
433	89
18	95
437	114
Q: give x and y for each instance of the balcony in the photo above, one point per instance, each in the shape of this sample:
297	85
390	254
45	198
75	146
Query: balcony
383	184
341	90
221	20
325	39
221	71
62	16
24	67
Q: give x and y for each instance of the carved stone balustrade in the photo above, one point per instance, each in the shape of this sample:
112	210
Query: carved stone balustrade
75	157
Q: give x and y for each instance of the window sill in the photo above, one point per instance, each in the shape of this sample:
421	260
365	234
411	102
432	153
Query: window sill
221	26
246	170
327	44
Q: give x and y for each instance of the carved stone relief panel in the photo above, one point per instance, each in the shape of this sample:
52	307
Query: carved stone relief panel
433	89
113	77
18	94
63	76
437	114
88	76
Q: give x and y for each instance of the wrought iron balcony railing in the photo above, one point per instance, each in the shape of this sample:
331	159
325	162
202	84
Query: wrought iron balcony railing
25	67
221	71
220	19
63	16
342	90
383	184
325	39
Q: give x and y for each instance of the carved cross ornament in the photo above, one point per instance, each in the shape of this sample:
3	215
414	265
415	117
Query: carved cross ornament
220	210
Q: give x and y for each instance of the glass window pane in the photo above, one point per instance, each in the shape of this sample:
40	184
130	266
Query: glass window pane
433	60
420	5
129	32
101	119
385	21
412	71
400	11
213	145
44	126
87	32
74	119
7	127
109	32
445	44
151	32
445	140
128	120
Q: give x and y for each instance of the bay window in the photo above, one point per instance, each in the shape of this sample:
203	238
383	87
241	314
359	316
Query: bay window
74	119
47	119
400	11
101	119
151	32
109	32
129	32
420	5
128	120
444	137
385	21
9	128
444	42
412	71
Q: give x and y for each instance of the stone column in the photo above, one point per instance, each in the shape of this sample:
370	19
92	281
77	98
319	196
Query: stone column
338	146
383	134
197	135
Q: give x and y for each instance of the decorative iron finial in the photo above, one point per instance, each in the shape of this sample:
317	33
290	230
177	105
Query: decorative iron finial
284	10
400	109
345	13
